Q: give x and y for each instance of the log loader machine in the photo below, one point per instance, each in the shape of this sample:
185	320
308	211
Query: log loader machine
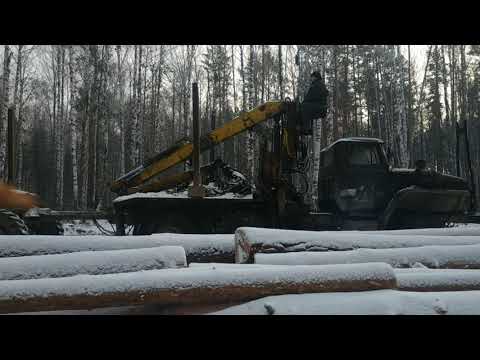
357	187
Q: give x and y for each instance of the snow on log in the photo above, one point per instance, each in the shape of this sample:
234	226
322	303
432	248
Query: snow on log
381	302
186	286
199	248
91	262
437	257
249	241
438	280
473	230
408	279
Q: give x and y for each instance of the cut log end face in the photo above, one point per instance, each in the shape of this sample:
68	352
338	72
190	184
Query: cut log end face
243	250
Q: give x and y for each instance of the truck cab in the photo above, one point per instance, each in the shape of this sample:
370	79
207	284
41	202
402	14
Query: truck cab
362	191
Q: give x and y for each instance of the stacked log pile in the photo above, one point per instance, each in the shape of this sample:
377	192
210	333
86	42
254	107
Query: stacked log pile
179	273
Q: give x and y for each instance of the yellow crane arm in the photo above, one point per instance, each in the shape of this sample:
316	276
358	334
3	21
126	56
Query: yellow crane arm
183	150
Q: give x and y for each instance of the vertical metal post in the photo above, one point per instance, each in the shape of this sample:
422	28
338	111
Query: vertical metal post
197	189
11	146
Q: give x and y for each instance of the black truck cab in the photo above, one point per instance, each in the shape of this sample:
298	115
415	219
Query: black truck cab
358	186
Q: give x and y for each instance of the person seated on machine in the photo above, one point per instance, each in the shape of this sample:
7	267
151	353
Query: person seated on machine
314	104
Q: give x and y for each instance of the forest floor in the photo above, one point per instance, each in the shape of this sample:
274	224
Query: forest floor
85	227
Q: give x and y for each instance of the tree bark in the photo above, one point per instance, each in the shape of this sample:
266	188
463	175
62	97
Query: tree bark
73	128
5	95
189	287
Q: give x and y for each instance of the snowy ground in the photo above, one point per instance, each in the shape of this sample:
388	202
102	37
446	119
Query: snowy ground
379	302
85	227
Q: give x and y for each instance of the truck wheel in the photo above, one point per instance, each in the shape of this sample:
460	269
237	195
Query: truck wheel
12	224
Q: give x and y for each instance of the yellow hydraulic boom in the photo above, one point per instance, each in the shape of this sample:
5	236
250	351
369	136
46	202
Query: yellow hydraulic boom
184	149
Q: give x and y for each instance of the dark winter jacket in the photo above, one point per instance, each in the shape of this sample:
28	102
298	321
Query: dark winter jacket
317	92
316	98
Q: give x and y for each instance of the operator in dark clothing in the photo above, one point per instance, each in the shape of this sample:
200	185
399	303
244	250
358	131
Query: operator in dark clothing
314	104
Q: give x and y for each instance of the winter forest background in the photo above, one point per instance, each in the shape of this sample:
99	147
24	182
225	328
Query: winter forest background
87	114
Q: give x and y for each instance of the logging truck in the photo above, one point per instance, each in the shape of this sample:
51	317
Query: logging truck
357	186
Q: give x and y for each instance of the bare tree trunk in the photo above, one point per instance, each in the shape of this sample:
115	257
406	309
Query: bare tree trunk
85	153
120	101
55	63
242	71
263	75
17	79
161	140
317	137
236	140
139	123
7	55
355	106
409	116
252	99
345	100
135	126
60	127
20	125
16	102
445	88
325	122
401	109
233	81
335	95
173	113
280	72
73	128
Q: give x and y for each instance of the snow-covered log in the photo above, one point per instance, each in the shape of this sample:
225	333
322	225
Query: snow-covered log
382	302
409	279
471	230
437	257
437	280
199	248
175	287
91	262
249	241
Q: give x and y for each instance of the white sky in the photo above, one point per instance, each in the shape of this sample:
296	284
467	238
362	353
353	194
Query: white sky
418	54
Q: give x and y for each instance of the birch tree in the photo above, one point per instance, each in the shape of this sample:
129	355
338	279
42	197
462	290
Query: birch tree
5	95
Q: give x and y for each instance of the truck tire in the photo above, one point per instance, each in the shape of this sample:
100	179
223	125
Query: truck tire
12	224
